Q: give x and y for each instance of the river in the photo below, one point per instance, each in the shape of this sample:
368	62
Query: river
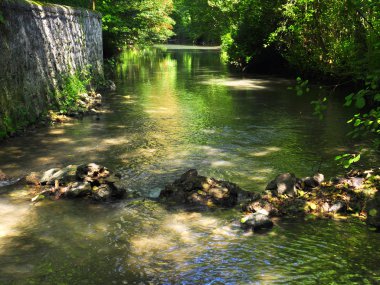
178	108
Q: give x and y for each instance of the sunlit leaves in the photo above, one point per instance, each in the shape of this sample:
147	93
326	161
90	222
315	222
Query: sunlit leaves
346	160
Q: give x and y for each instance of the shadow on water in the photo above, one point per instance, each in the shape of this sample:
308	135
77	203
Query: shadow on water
136	242
177	109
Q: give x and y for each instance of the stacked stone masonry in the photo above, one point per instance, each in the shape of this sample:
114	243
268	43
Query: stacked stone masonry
39	45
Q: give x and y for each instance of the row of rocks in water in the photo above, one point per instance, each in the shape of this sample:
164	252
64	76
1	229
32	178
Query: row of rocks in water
355	194
286	195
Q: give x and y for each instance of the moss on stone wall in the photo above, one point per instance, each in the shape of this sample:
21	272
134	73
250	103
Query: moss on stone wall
43	50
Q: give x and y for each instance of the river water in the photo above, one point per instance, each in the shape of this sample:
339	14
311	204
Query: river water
178	108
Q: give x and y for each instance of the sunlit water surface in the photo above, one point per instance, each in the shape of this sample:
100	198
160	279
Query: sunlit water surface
173	110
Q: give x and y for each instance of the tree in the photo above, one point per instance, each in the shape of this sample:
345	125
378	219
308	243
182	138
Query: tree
130	22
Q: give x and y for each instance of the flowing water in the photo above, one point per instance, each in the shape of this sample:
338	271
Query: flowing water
176	109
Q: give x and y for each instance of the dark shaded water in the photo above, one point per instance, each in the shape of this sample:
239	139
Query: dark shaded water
175	110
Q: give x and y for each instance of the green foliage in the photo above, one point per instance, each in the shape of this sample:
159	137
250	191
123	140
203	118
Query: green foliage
252	23
320	106
136	22
2	20
201	21
302	86
71	87
346	160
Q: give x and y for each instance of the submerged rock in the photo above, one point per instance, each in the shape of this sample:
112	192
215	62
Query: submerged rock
88	180
194	189
6	180
78	189
256	221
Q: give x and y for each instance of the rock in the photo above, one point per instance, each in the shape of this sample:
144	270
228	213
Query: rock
312	182
352	182
356	182
6	180
194	189
325	207
92	172
102	193
63	176
337	207
283	184
258	206
88	180
373	211
2	176
256	221
113	178
47	176
78	189
33	178
111	85
9	182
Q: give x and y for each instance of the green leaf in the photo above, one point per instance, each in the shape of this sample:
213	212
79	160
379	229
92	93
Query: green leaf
360	102
244	219
372	212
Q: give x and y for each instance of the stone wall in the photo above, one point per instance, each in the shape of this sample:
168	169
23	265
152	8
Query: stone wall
39	45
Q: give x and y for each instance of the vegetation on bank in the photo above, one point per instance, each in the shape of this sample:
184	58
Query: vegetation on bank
74	96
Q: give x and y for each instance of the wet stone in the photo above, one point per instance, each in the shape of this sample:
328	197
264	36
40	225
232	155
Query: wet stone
194	189
283	184
84	181
256	221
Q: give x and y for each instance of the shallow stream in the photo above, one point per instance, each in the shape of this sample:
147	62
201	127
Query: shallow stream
178	108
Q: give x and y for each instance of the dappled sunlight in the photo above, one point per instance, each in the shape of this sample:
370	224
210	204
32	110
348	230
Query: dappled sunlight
179	236
262	179
194	219
208	132
129	99
150	245
211	150
221	163
56	131
265	151
13	216
115	141
240	84
62	140
264	170
160	110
